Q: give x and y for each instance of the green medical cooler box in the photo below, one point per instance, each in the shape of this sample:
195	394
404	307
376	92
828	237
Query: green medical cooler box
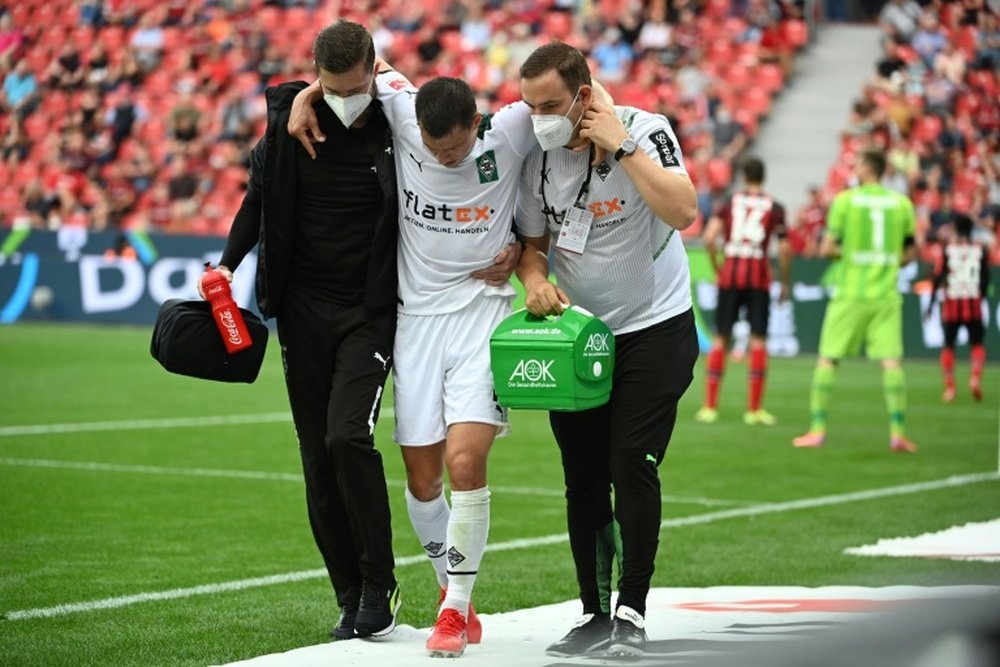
562	362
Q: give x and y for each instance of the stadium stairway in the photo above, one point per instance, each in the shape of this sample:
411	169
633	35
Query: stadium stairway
801	138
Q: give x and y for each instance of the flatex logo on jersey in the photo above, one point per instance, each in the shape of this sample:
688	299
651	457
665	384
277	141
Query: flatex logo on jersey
425	214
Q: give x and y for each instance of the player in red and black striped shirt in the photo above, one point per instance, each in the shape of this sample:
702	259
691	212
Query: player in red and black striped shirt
964	273
745	224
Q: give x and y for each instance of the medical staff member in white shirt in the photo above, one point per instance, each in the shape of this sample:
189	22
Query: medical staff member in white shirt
613	228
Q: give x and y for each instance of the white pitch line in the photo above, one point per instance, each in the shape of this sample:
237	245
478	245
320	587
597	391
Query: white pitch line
295	477
510	545
136	424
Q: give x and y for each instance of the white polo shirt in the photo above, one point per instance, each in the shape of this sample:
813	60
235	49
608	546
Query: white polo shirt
452	220
633	271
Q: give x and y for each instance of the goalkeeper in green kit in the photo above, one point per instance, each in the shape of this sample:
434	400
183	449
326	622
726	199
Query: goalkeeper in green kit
870	232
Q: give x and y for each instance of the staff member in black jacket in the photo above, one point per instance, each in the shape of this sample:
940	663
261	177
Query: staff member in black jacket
326	233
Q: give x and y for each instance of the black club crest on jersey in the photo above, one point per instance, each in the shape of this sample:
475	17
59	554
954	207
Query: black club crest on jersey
603	170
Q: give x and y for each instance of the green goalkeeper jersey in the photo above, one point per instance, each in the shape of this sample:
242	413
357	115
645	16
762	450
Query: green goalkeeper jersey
871	223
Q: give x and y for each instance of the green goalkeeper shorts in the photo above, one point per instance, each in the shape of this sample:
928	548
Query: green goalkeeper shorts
850	324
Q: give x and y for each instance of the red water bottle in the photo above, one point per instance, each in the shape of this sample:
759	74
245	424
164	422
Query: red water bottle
227	314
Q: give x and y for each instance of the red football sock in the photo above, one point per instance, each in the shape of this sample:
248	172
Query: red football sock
716	366
755	377
948	367
978	357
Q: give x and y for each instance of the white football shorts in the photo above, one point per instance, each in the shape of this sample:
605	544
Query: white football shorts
441	372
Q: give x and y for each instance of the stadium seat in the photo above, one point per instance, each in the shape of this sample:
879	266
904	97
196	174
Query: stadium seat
757	101
769	77
796	32
557	25
720	174
928	128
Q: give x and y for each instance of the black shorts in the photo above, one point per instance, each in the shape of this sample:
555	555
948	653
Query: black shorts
974	327
758	305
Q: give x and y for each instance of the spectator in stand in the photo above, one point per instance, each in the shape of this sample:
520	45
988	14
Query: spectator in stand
11	42
613	57
929	40
988	42
810	221
15	147
139	167
157	208
942	219
656	32
950	64
20	91
38	204
66	70
123	115
98	64
964	273
728	136
475	27
899	19
183	186
429	45
147	42
184	126
271	65
686	37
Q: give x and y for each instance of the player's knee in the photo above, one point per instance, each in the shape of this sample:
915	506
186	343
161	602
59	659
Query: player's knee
466	470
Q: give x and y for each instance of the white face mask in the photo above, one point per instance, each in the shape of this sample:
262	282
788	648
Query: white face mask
553	131
348	109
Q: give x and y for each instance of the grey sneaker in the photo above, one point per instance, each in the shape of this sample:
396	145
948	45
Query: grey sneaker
590	635
628	633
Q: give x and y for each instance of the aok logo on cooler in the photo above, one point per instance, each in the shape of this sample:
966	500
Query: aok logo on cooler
532	370
597	344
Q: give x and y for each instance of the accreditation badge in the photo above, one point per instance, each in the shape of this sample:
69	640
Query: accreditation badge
575	230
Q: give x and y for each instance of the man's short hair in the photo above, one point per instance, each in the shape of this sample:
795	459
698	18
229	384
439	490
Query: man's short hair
561	57
341	46
875	159
443	104
963	226
753	170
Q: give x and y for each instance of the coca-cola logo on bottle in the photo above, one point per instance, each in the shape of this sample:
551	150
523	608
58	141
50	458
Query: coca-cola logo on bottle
226	316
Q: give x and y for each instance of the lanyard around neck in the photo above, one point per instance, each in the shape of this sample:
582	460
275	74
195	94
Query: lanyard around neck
581	196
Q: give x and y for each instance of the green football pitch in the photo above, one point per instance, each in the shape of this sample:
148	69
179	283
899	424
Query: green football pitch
153	519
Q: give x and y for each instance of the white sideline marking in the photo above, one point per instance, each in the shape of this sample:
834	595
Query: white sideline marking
290	477
971	541
136	424
108	603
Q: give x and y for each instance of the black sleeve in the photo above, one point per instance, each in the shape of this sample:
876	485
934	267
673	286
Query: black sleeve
245	231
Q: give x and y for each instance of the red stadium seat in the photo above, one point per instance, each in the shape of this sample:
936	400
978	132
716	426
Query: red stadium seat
796	32
769	77
928	128
719	173
557	25
758	101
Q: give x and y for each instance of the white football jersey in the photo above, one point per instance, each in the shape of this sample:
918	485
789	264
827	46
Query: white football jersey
452	220
633	271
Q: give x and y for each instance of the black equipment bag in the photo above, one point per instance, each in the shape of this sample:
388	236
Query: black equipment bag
186	341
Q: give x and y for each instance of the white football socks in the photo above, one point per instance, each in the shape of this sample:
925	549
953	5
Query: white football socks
468	529
430	522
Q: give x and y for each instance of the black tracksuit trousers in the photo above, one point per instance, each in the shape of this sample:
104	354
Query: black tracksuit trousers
336	361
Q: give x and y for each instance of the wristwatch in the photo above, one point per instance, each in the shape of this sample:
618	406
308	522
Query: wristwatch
627	148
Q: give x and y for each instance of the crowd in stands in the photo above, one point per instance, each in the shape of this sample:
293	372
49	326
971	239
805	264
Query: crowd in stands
121	114
933	103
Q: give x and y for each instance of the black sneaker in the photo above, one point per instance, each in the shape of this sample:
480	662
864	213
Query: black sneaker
628	634
590	634
345	625
377	612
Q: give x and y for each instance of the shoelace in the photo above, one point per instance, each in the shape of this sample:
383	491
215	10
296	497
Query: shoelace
370	595
450	622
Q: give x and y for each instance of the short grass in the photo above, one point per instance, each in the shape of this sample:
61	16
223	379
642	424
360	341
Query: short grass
143	522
